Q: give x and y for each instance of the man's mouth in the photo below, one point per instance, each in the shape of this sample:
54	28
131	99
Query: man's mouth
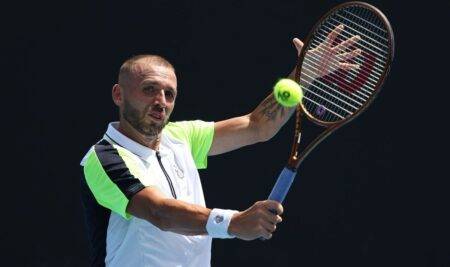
157	115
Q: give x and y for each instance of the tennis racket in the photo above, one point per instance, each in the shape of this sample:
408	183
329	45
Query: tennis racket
343	64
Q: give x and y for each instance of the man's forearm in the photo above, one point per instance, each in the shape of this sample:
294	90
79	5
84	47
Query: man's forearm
189	219
169	214
181	217
270	116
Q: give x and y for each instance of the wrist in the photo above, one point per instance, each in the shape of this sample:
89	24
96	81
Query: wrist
232	227
218	223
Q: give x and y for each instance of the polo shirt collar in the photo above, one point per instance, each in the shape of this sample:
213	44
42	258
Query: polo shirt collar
113	134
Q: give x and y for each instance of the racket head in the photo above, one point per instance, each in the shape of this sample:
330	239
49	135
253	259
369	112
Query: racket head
340	96
347	92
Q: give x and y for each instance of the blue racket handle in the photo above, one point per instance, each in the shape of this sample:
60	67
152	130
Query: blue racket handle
281	187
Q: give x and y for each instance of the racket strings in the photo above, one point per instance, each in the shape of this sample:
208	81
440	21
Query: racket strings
367	20
353	27
326	30
368	46
325	108
314	63
365	13
337	93
340	94
381	58
337	105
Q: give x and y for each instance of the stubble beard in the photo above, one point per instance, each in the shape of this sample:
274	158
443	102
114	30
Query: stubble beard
136	119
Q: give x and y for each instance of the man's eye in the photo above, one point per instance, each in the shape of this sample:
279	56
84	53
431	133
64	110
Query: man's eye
148	88
169	94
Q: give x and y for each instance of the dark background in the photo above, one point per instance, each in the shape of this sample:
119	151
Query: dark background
373	194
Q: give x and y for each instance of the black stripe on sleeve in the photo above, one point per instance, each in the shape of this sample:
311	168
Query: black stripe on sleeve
117	170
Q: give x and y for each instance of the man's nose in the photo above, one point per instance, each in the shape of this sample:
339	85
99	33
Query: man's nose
161	97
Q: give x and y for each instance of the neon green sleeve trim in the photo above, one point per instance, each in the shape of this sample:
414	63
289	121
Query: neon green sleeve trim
105	191
198	135
131	161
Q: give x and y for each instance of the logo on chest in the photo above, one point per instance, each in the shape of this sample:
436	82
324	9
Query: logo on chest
178	171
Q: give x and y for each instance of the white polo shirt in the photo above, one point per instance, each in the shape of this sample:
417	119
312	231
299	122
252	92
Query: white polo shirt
117	167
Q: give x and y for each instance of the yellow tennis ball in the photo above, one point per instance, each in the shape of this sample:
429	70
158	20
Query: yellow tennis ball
287	92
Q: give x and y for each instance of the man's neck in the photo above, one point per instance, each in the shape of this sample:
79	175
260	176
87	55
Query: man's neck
126	129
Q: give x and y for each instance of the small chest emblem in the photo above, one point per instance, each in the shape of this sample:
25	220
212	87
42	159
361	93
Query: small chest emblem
178	171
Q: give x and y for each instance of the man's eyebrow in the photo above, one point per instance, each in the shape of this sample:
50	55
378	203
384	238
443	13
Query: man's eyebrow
155	83
148	83
171	89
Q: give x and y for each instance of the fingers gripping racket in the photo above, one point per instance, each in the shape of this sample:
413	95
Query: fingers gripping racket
346	58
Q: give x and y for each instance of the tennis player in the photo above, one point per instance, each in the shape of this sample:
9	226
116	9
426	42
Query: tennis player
141	191
142	195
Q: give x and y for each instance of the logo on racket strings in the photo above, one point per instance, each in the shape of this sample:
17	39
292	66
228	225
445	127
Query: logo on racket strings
320	110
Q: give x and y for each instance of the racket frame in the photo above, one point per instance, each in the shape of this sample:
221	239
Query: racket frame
296	157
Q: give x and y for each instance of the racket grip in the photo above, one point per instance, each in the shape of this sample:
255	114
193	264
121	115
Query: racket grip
281	187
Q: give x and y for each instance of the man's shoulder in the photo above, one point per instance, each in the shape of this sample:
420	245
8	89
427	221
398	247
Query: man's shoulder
89	153
177	131
184	130
105	147
187	125
181	125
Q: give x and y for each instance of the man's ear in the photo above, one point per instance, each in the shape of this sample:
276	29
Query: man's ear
117	94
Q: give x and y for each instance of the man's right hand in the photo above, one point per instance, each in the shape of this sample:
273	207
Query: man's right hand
257	221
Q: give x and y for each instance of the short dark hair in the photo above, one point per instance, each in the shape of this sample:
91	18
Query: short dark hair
127	66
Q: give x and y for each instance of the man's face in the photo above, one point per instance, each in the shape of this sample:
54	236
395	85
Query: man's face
149	98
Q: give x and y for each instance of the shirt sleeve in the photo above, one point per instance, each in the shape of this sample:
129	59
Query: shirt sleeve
199	136
109	178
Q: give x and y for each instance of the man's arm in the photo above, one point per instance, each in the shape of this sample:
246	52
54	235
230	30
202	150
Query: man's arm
189	219
258	126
